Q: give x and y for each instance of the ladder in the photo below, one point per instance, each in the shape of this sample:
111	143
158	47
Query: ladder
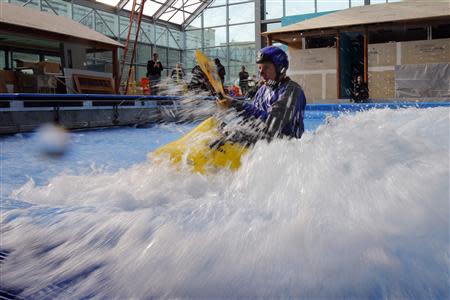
137	9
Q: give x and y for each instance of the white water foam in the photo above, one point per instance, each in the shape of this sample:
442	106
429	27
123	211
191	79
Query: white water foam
359	209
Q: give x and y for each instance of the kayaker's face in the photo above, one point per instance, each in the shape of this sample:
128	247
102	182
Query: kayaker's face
267	71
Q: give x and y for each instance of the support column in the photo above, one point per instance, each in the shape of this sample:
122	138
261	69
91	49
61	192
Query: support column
258	13
366	55
429	33
269	40
115	61
338	65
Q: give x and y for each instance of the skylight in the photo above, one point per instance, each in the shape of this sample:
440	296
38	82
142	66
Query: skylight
173	11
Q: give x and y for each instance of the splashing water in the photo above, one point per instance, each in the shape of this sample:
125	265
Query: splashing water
358	208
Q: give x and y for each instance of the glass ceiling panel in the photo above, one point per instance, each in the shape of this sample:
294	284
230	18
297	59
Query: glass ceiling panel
191	8
150	7
178	12
178	18
109	2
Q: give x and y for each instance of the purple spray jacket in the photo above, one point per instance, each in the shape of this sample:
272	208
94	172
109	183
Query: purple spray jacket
281	107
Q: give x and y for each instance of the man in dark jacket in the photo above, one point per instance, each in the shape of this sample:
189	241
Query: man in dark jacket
220	70
278	106
243	80
154	69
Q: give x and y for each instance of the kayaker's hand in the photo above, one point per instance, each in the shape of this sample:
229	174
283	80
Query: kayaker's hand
223	101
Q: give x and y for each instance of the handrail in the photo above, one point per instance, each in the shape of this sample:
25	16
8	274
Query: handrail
86	97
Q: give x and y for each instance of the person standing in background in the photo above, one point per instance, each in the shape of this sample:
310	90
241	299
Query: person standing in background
243	80
154	69
177	73
220	70
360	91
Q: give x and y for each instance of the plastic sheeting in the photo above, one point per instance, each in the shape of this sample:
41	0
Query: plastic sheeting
427	80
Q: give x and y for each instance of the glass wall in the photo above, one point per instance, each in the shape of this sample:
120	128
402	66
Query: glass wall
225	30
275	9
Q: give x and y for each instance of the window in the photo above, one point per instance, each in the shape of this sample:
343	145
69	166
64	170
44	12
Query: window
161	36
193	39
273	26
320	42
84	15
175	39
61	7
273	9
299	7
174	58
55	59
196	23
242	55
241	13
106	23
214	16
190	60
2	60
219	2
357	3
400	34
162	52
330	5
144	53
147	33
441	31
236	1
242	33
215	36
217	52
32	4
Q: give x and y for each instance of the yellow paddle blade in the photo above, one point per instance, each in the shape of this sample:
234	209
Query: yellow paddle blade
209	68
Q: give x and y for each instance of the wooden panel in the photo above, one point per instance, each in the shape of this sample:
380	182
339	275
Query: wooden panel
382	84
331	91
423	52
311	84
312	59
382	54
93	84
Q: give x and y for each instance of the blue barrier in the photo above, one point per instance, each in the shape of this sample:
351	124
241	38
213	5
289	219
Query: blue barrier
350	107
366	106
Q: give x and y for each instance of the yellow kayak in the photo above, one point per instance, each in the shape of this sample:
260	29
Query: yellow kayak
194	149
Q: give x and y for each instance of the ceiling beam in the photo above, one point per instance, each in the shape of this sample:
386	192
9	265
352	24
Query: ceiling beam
196	13
163	8
122	4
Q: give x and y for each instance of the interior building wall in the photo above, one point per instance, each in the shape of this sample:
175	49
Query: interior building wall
315	71
384	57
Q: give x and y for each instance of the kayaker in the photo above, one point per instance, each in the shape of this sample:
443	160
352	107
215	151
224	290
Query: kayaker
278	106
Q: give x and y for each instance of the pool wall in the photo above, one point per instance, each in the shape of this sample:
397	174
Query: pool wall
26	112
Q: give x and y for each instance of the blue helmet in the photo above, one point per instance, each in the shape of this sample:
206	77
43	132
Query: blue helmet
275	55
